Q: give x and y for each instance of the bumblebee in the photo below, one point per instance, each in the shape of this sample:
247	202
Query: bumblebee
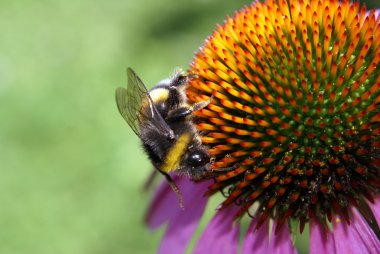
161	118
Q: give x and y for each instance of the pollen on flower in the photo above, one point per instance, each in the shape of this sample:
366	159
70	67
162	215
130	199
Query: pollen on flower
295	109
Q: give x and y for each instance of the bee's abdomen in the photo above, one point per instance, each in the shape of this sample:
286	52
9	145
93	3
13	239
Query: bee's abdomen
156	145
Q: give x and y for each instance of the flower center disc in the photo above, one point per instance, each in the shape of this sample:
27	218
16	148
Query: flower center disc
295	107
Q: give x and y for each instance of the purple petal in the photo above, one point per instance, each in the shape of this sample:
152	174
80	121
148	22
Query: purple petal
256	241
184	222
355	238
375	207
163	199
165	204
281	242
221	234
321	240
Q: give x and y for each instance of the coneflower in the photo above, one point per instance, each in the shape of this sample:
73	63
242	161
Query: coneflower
295	113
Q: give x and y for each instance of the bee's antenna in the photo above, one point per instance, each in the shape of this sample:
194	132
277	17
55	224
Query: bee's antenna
175	189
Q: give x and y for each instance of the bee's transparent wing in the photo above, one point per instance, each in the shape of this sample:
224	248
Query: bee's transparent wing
130	102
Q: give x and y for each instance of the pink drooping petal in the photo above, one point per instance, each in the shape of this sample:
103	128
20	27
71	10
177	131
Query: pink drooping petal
165	204
321	239
162	207
256	240
375	207
356	238
184	222
221	234
281	242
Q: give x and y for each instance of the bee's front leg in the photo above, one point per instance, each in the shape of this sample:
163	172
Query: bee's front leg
181	112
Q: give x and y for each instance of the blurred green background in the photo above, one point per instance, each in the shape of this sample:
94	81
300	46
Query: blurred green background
71	169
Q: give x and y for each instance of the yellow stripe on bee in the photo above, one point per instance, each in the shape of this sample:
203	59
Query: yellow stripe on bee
173	157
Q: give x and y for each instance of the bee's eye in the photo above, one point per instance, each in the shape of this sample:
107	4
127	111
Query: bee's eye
198	159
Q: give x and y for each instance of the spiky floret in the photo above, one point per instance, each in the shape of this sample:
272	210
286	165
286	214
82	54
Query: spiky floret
295	108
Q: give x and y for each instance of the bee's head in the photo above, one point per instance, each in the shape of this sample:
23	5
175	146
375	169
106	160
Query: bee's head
176	80
179	80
